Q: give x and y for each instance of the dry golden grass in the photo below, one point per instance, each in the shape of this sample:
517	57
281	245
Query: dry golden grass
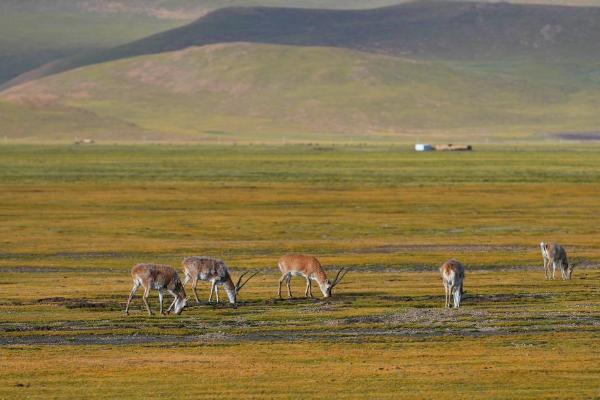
114	226
479	368
75	221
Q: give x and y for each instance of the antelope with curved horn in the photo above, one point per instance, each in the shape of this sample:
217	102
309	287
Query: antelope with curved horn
453	274
554	253
310	268
215	271
160	277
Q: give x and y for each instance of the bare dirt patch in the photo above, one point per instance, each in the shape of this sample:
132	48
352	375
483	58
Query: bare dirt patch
580	136
50	270
436	249
94	305
411	323
509	297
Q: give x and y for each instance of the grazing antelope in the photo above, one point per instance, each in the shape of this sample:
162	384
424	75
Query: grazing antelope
310	268
453	274
215	271
554	253
160	277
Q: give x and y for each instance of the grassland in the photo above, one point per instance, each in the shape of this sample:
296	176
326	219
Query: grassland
75	219
277	74
381	336
255	200
301	93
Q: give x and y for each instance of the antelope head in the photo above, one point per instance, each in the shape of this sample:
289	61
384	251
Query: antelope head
181	300
239	285
180	304
328	286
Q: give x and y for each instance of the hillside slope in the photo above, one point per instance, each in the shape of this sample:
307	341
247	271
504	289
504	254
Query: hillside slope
422	29
33	33
252	91
36	32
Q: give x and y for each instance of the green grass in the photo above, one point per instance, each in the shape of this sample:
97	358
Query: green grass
354	166
196	95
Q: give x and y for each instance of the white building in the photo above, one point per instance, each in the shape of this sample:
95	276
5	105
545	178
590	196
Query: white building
423	147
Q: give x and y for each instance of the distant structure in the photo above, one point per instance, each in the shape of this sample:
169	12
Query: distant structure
443	147
453	147
84	141
423	147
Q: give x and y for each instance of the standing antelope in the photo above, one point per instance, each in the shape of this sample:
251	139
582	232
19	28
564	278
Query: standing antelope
215	271
554	253
160	277
310	268
453	274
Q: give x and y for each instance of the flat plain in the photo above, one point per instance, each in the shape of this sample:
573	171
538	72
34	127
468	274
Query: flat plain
75	219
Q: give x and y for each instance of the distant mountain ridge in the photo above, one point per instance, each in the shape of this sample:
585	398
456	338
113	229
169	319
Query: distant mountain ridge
36	32
423	29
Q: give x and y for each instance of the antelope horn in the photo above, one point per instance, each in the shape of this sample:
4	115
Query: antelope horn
238	286
336	280
240	279
338	274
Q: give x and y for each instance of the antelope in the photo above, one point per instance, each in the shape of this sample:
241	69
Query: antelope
160	277
310	268
453	274
215	271
554	253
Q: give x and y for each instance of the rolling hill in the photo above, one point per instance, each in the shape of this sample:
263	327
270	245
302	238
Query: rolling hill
423	29
36	32
420	68
33	33
249	91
